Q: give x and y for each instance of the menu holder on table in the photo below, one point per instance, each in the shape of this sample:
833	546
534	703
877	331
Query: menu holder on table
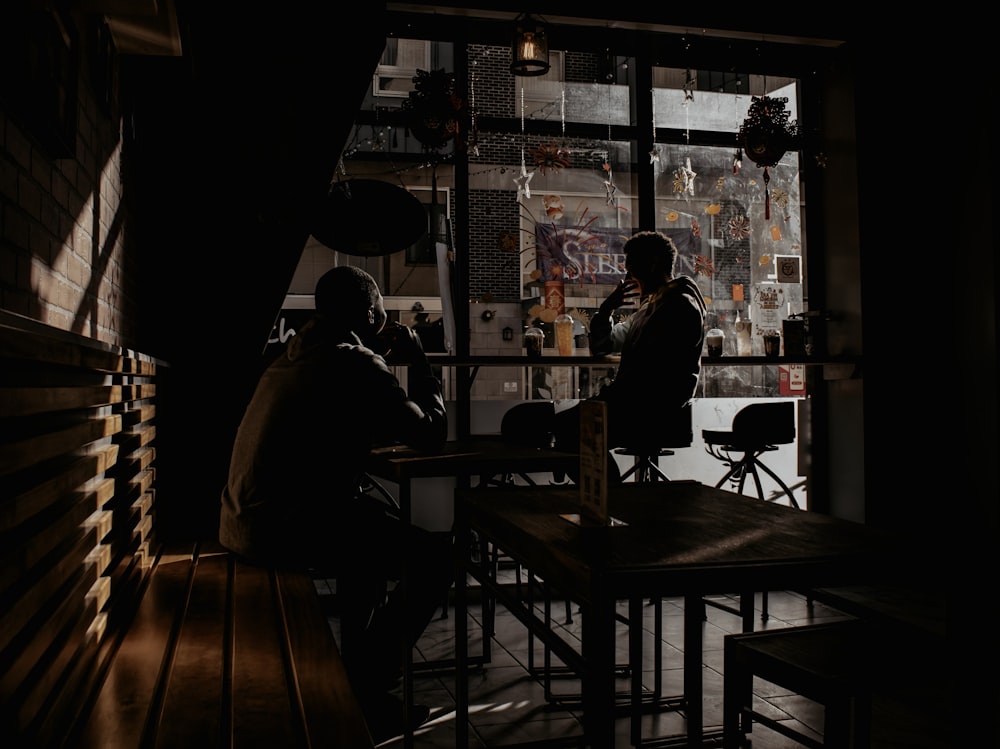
593	467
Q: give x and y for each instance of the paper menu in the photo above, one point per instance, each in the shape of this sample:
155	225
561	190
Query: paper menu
594	461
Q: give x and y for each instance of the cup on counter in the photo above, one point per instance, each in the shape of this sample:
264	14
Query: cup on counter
533	339
772	344
564	334
714	339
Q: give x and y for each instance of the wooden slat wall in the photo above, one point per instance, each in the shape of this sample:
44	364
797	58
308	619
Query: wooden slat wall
77	516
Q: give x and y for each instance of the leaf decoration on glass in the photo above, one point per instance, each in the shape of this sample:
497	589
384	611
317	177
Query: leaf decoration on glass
739	227
550	156
703	265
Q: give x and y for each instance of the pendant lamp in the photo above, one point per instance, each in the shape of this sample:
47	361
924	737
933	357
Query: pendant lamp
530	50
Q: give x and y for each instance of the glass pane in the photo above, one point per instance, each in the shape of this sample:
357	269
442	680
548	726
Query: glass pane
739	233
701	100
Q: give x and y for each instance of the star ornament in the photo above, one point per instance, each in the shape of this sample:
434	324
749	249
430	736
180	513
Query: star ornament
684	179
609	184
654	155
522	181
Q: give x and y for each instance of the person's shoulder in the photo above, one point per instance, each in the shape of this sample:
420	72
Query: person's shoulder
685	288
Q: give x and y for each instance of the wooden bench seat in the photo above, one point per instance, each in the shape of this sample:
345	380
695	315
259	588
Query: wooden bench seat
222	653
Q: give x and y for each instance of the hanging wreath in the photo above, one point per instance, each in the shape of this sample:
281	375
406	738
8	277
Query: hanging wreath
765	135
434	109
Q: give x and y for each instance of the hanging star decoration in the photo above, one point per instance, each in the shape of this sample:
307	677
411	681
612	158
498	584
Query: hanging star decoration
739	227
522	181
654	155
551	157
609	184
689	83
684	179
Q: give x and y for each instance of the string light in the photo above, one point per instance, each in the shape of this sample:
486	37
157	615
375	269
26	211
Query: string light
654	154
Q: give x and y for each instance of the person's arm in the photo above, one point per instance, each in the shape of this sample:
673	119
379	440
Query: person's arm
606	336
421	416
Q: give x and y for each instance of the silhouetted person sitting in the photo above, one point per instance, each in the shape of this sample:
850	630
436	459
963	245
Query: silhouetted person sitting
660	345
292	498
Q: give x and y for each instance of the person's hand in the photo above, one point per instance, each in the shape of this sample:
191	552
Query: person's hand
623	294
399	344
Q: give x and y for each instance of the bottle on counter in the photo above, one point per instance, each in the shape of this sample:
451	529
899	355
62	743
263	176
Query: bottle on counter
744	344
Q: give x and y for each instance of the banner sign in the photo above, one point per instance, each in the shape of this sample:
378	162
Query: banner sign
585	255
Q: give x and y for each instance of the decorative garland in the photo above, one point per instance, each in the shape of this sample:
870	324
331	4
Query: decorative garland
434	108
765	135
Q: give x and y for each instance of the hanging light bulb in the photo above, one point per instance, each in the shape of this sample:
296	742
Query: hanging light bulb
530	50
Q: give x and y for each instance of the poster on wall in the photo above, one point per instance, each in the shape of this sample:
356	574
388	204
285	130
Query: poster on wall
769	307
595	255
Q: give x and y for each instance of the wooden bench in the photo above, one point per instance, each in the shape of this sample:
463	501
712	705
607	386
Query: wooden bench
222	653
886	666
108	636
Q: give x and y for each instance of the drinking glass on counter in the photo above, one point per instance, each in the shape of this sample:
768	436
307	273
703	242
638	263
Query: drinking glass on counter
564	334
714	340
533	339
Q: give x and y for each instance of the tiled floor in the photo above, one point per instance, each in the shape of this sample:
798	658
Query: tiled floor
508	705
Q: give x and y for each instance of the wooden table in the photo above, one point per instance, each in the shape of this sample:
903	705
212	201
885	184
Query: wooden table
473	456
680	539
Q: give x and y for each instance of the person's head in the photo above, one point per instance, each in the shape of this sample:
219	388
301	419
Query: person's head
350	295
650	257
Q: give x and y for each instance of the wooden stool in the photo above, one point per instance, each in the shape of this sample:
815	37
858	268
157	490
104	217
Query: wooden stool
827	663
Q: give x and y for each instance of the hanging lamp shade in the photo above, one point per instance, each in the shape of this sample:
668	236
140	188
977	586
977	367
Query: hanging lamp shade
530	50
369	218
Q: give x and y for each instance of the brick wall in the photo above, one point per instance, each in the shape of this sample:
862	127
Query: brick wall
63	222
494	211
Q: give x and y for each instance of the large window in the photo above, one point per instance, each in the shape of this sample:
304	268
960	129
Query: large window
559	170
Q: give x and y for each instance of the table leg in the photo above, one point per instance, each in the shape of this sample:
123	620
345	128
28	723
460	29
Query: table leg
693	626
463	540
635	663
405	513
598	682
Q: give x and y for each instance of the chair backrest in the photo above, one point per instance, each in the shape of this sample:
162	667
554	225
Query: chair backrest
766	423
530	423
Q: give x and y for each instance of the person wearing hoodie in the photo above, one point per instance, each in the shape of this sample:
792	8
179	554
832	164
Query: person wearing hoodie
660	345
660	342
292	496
